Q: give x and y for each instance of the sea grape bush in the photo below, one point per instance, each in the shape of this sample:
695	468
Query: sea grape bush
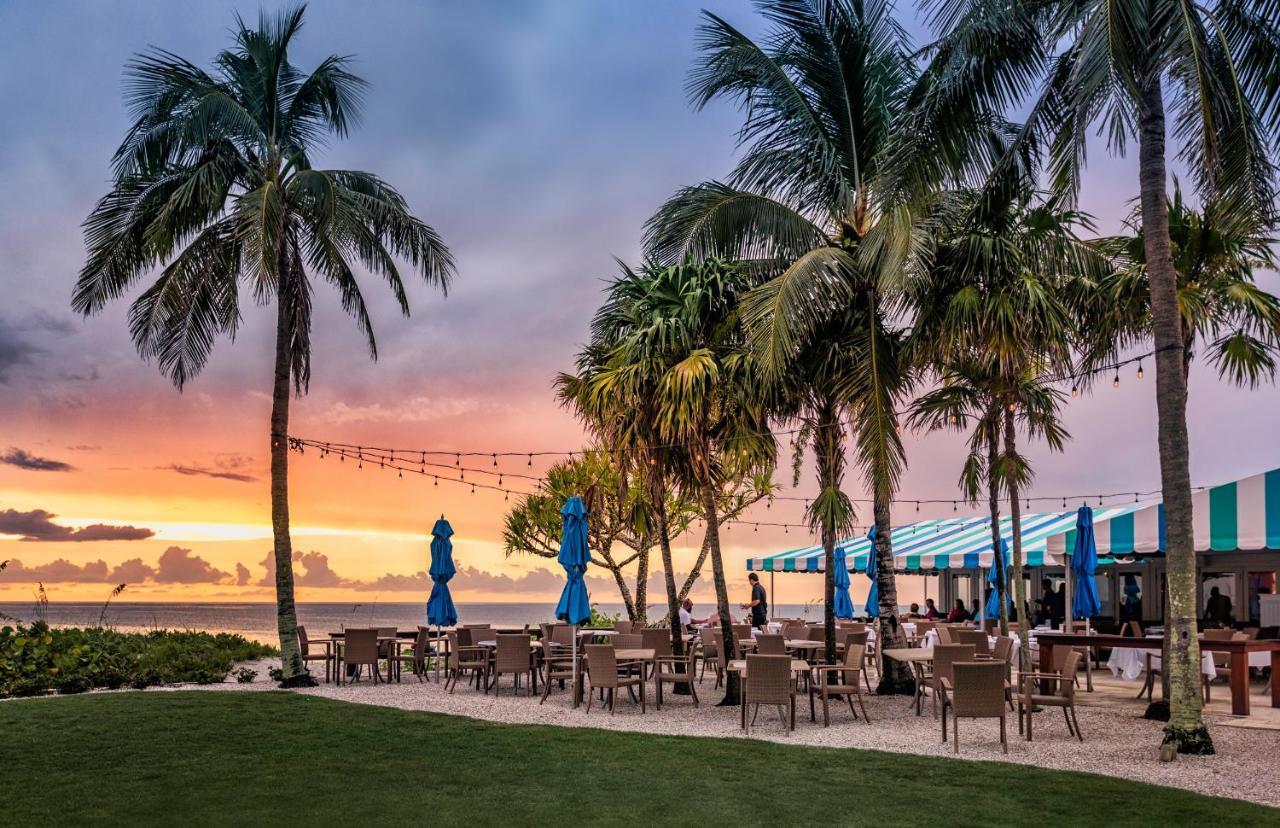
37	659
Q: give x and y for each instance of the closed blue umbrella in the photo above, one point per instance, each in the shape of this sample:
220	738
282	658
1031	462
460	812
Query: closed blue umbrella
575	605
1084	562
992	608
843	603
440	609
872	572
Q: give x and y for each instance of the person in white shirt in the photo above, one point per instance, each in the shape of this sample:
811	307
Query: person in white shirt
686	614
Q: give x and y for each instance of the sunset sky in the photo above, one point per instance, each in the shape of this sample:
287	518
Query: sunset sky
536	137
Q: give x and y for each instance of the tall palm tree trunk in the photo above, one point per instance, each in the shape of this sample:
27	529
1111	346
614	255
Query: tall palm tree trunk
731	684
673	600
1012	469
640	610
993	503
829	456
286	613
1185	731
895	676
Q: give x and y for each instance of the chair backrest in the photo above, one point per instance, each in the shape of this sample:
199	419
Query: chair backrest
978	689
562	634
657	639
1004	649
513	653
817	634
856	639
854	656
628	641
602	665
946	655
303	644
855	626
1251	633
1061	657
741	632
548	631
944	634
422	641
978	638
624	626
481	632
715	639
1066	666
1218	635
361	646
768	679
771	645
923	627
463	638
794	629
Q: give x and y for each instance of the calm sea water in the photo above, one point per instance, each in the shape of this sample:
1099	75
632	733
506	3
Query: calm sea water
258	621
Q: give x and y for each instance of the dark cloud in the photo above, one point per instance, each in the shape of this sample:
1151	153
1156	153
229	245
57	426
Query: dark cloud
132	571
25	460
60	571
84	448
38	526
310	569
198	471
179	566
243	575
16	348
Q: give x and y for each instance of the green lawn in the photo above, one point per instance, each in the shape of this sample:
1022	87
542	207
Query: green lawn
242	758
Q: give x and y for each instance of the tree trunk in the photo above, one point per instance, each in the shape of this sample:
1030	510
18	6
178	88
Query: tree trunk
731	688
295	674
895	676
993	503
696	570
1186	730
829	455
673	603
640	609
1013	467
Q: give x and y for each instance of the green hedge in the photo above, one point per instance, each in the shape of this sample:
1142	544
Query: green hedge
37	659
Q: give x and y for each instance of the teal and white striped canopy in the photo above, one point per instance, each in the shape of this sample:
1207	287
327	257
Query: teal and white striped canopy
1243	515
951	543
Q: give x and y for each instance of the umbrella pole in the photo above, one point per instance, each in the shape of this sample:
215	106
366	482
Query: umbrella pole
438	653
574	689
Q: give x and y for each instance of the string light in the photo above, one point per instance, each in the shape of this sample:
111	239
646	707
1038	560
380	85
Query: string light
1139	370
1075	391
1115	383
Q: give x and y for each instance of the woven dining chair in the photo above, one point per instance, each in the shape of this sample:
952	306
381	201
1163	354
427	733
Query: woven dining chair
514	656
713	653
558	669
624	626
978	638
944	657
859	639
1056	689
674	669
416	658
607	673
944	632
360	649
628	641
1222	661
771	644
325	654
770	681
468	659
977	692
842	680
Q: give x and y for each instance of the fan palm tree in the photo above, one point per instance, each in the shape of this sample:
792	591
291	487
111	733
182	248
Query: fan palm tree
214	186
1214	68
808	205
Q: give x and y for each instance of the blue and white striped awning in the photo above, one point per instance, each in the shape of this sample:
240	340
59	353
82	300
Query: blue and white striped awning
951	543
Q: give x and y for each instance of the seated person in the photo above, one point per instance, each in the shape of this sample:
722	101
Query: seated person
931	610
958	614
913	611
686	614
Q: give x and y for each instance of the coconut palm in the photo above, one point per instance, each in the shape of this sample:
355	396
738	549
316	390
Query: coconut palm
1214	68
823	95
1221	309
214	186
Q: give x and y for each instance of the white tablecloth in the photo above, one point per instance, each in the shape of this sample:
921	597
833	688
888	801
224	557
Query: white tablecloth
931	639
1130	662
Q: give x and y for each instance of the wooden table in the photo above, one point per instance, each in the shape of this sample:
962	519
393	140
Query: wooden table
338	639
916	657
1238	650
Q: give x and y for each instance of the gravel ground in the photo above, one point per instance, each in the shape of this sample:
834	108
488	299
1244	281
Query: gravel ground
1118	742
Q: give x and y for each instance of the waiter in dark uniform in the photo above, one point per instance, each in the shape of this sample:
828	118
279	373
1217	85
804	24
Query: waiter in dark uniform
759	604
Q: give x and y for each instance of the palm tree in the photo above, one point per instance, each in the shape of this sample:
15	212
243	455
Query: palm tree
1000	287
1221	308
214	185
1216	66
808	205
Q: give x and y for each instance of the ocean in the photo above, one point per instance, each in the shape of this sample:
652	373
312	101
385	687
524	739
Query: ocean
258	621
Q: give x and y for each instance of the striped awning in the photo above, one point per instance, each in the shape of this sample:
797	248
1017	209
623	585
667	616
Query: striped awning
927	545
1239	516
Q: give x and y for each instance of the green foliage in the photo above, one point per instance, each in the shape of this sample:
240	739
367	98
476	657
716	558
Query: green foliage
601	620
37	659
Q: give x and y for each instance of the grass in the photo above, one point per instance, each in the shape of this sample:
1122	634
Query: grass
275	758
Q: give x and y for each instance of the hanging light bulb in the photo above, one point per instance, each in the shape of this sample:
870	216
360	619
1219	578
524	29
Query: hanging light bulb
1064	503
917	506
1139	369
457	460
955	419
1075	391
756	528
495	461
953	506
530	460
400	475
1115	383
473	488
435	481
1012	407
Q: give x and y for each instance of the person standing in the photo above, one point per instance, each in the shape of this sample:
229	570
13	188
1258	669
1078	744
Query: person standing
759	603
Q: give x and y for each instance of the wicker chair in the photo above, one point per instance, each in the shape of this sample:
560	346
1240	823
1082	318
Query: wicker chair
558	668
624	626
608	674
978	638
327	656
977	692
944	632
1059	691
771	644
628	641
1222	661
794	630
467	659
674	669
944	656
842	679
514	656
858	639
416	658
713	653
769	681
360	649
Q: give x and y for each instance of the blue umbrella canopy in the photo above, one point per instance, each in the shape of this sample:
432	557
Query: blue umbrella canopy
440	609
992	608
1084	562
575	604
872	572
843	603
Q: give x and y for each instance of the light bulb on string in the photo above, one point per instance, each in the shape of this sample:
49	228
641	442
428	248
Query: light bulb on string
530	461
457	460
435	481
1075	391
1139	369
1115	383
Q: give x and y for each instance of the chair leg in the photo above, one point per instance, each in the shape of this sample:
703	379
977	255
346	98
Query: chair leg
944	724
590	696
1079	735
955	730
826	710
1067	718
865	717
694	692
1004	740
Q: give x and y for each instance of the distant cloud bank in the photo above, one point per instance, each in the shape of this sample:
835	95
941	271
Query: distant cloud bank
24	459
37	526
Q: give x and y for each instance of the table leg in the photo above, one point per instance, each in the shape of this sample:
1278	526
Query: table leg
1275	674
1046	665
1240	683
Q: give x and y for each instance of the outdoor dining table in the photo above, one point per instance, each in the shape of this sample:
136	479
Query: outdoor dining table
338	639
798	666
1238	650
916	658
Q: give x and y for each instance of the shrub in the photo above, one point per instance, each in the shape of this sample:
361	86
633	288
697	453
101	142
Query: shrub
37	659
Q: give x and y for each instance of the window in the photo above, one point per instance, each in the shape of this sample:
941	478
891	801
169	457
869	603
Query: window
1259	583
1218	597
